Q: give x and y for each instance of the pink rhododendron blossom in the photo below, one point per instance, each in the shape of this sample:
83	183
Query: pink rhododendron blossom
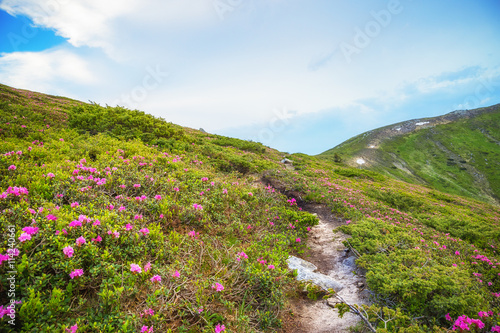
74	204
24	237
12	167
97	239
147	267
68	251
220	328
158	197
447	317
80	241
73	328
297	240
156	278
176	274
31	230
144	231
76	273
218	287
134	268
129	226
75	224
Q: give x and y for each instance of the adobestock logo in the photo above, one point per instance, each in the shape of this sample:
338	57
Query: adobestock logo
371	30
140	92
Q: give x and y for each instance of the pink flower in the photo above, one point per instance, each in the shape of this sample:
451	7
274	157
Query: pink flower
457	253
74	204
24	237
495	329
128	226
3	258
13	252
145	329
137	185
73	328
176	274
250	194
447	317
271	267
224	191
50	175
144	231
31	230
218	287
158	197
51	217
241	255
134	268
297	240
68	251
96	222
197	207
97	239
12	167
80	241
220	328
75	273
147	267
75	223
156	278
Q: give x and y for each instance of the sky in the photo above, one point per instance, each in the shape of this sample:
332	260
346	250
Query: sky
296	75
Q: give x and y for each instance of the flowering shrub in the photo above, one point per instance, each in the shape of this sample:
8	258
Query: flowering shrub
109	223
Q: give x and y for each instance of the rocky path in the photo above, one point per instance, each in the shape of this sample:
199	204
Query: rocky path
332	258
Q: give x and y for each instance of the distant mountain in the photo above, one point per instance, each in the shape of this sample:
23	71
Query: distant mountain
458	152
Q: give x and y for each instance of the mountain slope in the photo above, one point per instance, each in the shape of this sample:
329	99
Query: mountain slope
116	221
458	153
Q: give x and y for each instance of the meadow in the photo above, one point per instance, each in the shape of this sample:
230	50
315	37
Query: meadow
115	221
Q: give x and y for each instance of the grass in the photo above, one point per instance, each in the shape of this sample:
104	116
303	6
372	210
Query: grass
461	157
193	211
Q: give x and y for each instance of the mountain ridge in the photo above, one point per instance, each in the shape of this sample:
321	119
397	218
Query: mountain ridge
387	150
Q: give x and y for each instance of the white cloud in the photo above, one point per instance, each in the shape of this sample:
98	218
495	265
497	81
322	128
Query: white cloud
45	71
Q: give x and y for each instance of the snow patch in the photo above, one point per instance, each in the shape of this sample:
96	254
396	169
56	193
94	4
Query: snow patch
421	123
360	161
398	129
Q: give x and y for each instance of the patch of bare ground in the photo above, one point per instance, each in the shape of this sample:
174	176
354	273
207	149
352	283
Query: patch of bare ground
332	258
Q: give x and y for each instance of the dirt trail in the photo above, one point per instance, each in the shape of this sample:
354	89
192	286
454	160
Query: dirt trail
332	258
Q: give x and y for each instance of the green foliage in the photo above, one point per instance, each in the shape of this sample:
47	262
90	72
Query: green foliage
201	217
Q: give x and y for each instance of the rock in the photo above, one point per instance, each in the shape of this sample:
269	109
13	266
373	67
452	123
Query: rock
332	302
286	161
305	272
361	284
350	262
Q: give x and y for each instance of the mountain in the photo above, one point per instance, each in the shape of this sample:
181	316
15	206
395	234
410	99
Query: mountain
457	153
113	220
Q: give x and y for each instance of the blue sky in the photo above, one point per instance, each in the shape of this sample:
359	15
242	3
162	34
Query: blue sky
296	75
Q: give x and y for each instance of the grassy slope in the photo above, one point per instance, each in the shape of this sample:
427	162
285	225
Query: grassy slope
447	157
407	235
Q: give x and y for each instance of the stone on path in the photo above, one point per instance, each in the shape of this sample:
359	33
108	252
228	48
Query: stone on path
305	272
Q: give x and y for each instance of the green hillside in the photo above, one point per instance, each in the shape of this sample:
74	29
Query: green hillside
458	153
116	221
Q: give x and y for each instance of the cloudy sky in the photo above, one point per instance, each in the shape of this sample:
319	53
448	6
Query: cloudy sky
296	75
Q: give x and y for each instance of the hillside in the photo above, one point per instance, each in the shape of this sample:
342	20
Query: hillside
116	221
457	153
